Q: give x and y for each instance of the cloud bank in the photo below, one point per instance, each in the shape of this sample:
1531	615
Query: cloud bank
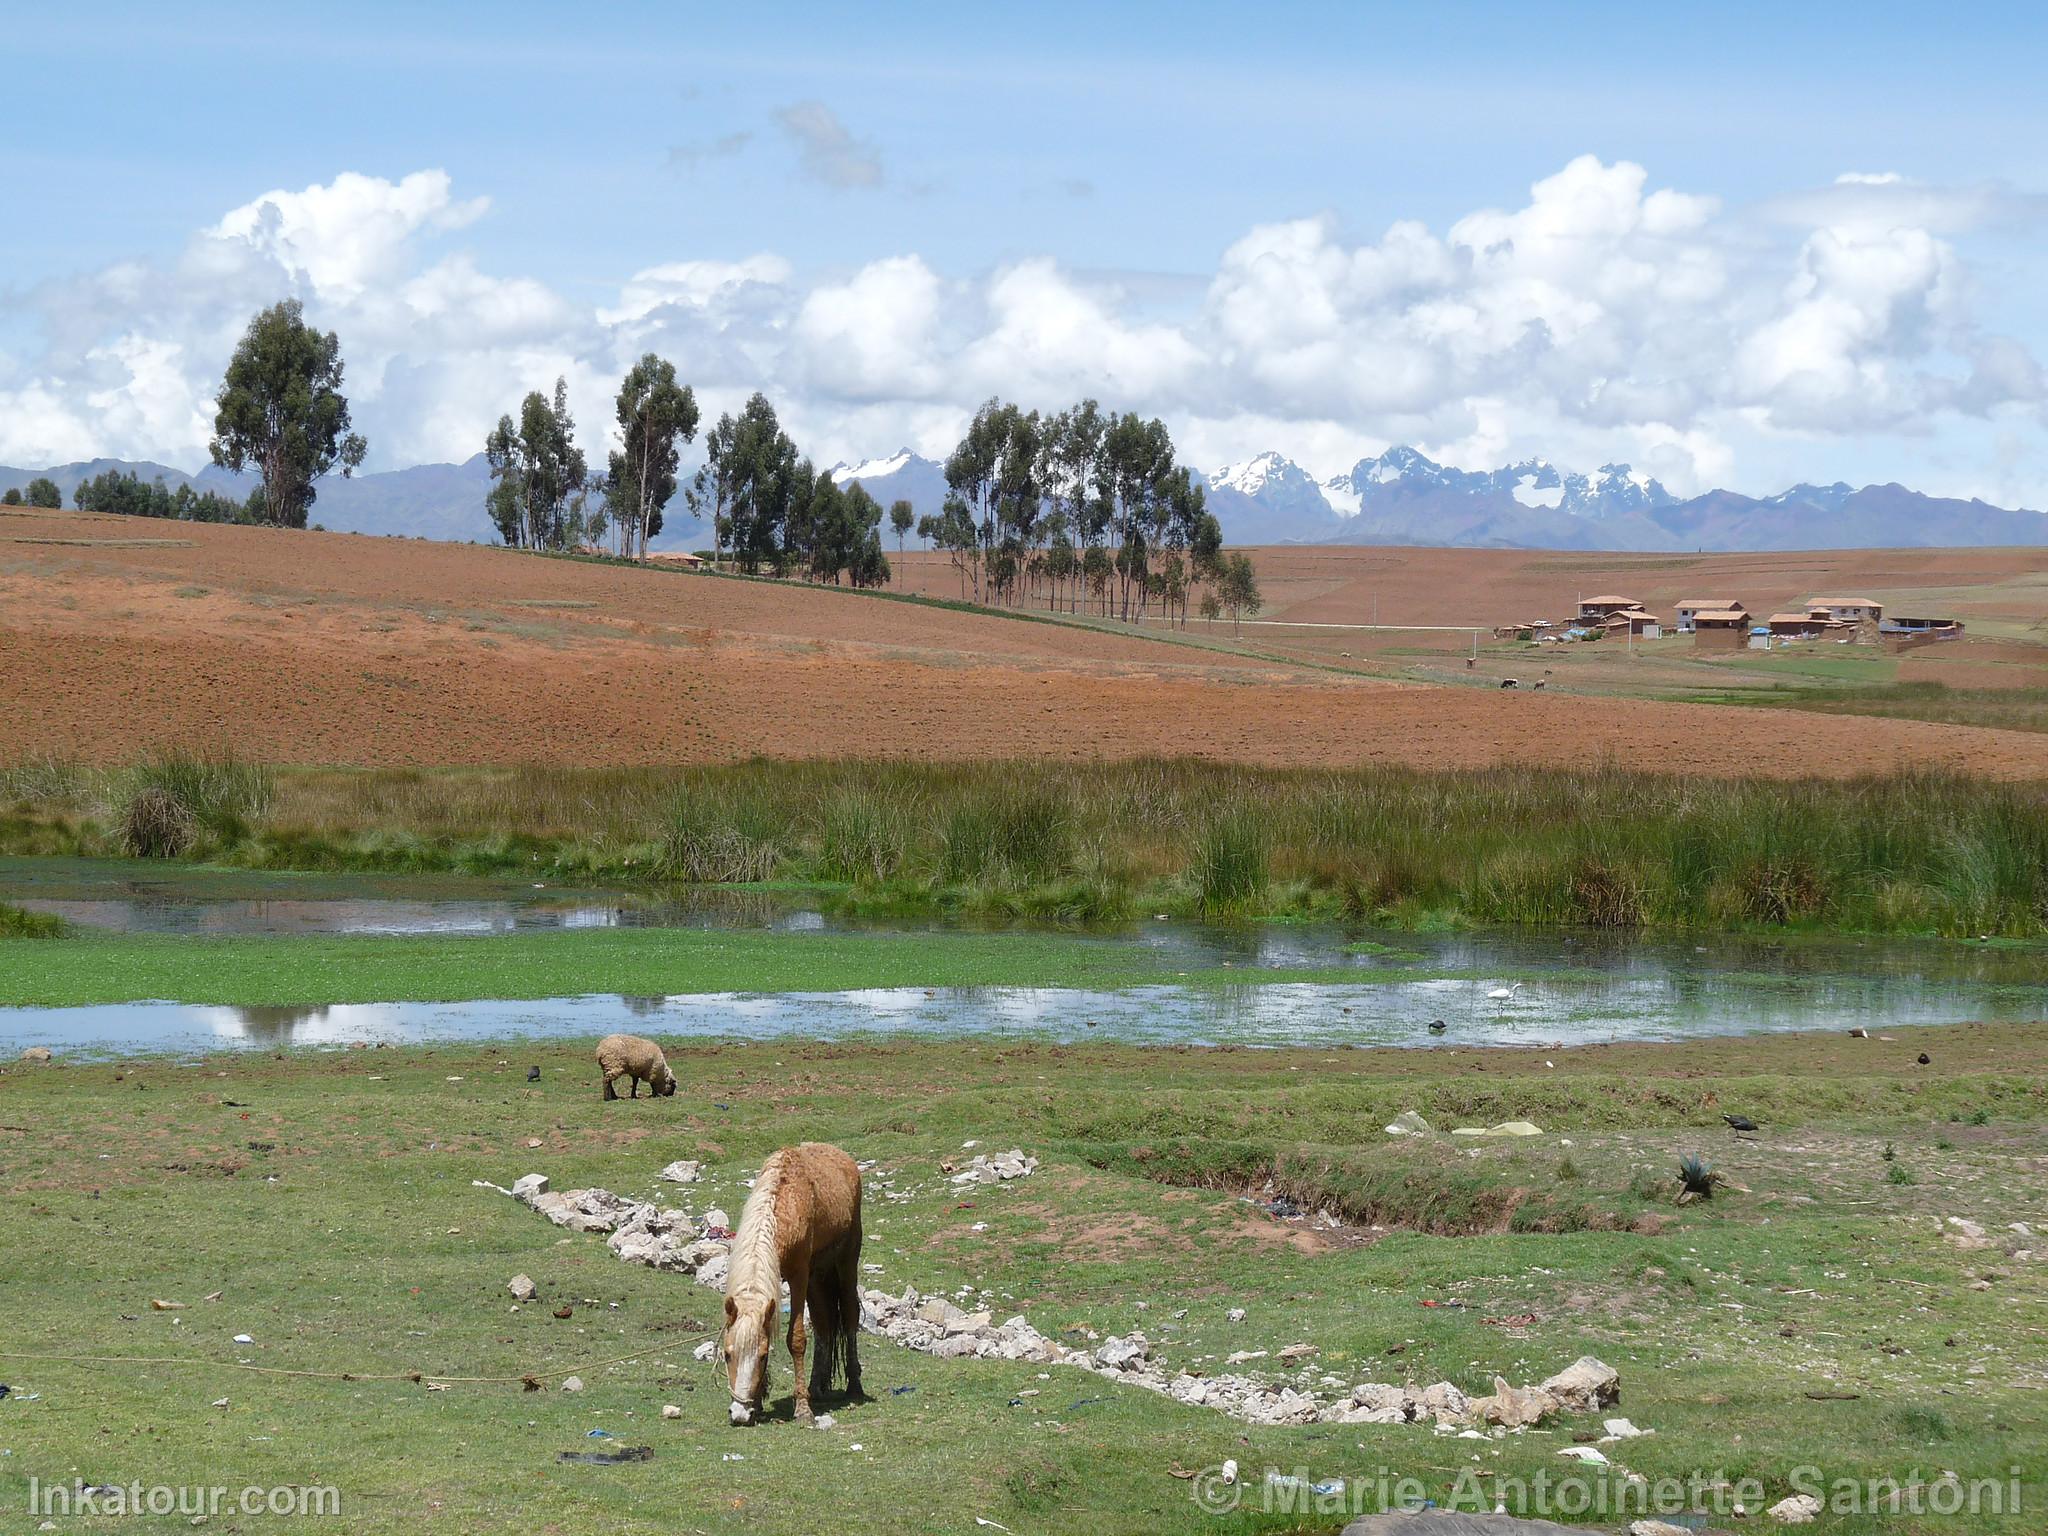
1604	318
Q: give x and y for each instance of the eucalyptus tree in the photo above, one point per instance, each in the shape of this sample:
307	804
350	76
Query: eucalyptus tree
656	417
749	480
902	518
281	409
993	474
538	474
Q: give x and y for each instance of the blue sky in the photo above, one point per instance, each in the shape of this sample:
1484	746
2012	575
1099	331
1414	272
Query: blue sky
1115	157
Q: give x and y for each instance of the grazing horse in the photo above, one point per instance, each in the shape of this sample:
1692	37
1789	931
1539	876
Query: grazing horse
800	1224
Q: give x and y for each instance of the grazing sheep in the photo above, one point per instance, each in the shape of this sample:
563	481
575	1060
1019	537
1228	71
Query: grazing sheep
641	1060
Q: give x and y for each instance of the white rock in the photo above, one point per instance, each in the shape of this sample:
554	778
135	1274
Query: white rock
671	1411
522	1287
1800	1509
527	1186
572	1383
682	1172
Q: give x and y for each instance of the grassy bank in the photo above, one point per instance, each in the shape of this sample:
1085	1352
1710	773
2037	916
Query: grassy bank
1099	842
323	1207
2000	709
318	969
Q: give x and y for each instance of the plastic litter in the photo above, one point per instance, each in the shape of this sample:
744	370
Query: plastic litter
608	1458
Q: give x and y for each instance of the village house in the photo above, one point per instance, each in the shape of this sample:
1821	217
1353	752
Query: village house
1801	626
1633	621
1847	610
1597	610
1720	628
1690	610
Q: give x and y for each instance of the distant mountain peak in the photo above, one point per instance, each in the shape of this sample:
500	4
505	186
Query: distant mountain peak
875	469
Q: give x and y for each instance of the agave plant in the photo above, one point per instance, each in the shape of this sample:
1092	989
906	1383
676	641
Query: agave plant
1695	1178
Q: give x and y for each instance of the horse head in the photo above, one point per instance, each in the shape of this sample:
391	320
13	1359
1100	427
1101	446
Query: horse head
749	1330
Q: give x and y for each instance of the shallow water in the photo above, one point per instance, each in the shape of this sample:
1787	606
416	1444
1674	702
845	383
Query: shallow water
1569	1010
1575	988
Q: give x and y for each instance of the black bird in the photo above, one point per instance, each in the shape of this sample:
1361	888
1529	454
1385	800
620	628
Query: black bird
533	1074
1437	1026
1925	1058
1741	1124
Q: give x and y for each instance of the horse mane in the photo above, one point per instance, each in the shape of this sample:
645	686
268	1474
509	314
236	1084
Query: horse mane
756	1258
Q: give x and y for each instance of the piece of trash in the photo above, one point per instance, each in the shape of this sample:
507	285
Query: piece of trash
823	1421
608	1458
243	1338
220	1402
437	1386
1584	1453
732	1456
899	1391
708	1350
600	1434
992	1525
211	1296
1229	1473
165	1306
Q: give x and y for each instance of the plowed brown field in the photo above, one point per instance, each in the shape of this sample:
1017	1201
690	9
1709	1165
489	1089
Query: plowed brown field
120	634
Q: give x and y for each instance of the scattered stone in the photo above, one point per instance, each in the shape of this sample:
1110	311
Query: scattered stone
526	1188
1124	1354
1000	1168
639	1232
522	1287
1585	1385
1505	1128
1966	1233
572	1383
671	1411
1657	1528
682	1172
1514	1407
1800	1509
716	1217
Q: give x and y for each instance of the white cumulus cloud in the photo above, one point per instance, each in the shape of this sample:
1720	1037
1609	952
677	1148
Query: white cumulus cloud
1600	317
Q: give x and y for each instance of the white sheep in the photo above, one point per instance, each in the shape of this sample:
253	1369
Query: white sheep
641	1060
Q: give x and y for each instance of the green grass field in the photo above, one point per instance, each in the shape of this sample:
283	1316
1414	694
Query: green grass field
1102	843
1819	1318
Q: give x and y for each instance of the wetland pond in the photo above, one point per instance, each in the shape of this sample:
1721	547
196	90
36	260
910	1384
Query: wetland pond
1567	987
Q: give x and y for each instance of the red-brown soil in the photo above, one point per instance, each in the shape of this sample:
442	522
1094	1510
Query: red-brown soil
305	647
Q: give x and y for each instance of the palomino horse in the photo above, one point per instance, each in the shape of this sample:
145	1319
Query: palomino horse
800	1224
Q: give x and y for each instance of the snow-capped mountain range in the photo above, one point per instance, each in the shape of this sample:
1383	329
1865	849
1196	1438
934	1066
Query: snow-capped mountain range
1400	497
1404	497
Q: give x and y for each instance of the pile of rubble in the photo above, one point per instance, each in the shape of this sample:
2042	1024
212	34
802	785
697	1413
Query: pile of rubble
999	1168
640	1232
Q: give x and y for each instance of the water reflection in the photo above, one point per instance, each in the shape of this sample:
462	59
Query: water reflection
1567	1007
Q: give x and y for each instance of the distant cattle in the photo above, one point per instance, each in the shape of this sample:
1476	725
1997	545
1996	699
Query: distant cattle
1509	682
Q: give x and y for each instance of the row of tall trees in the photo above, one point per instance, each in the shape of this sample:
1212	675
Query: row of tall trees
778	511
115	491
39	492
1082	508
